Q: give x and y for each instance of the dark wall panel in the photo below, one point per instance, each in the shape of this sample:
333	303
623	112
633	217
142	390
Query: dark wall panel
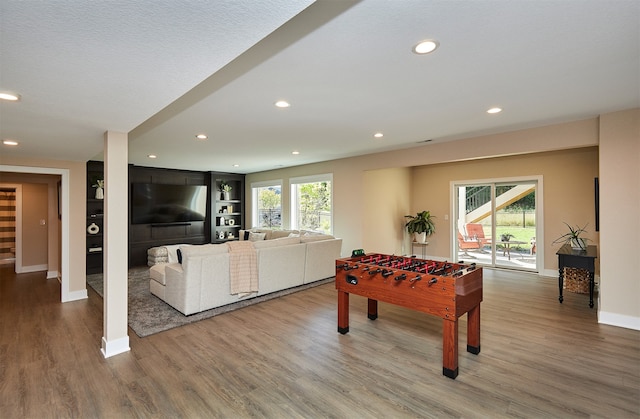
145	236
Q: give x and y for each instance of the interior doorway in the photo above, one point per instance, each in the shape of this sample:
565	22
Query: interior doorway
497	223
64	174
8	201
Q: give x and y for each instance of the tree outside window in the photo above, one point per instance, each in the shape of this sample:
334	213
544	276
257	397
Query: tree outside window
270	207
312	206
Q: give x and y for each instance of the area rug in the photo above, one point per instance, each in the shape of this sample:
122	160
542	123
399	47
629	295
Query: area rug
149	315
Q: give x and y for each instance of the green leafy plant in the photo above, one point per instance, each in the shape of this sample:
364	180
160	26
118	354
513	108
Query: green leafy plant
505	237
225	187
422	222
573	238
99	183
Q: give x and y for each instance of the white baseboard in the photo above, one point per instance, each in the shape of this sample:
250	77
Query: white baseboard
115	347
52	274
32	268
619	320
428	257
75	295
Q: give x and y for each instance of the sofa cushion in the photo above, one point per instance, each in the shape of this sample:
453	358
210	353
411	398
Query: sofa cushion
153	260
255	237
202	250
269	234
315	237
157	251
278	234
283	241
156	272
172	252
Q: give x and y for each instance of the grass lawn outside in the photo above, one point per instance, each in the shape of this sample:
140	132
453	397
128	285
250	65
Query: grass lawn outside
522	234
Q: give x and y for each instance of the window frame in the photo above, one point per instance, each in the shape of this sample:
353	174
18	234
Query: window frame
293	184
255	211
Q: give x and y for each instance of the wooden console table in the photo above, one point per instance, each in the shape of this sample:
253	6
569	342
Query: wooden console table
581	259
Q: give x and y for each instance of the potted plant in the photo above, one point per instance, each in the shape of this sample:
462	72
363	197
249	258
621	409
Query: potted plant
225	190
421	225
573	238
505	237
99	185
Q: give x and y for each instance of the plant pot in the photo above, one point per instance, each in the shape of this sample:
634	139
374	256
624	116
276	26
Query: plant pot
226	196
420	237
578	244
99	193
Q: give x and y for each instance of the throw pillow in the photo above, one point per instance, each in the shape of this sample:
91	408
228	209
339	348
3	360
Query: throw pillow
254	237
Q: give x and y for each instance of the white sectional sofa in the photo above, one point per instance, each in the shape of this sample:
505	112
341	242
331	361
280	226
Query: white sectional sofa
284	259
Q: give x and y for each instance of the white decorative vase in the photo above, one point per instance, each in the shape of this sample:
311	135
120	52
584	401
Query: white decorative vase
578	244
226	196
93	228
420	237
99	193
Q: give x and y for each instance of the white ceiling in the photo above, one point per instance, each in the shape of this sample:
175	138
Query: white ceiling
164	71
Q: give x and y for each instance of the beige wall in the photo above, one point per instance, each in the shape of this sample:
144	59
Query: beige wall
386	198
619	218
77	213
568	184
34	234
351	204
352	182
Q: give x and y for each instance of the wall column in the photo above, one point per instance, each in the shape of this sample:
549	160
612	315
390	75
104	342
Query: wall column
619	294
115	246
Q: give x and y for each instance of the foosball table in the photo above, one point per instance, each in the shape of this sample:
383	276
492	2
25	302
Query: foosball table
444	289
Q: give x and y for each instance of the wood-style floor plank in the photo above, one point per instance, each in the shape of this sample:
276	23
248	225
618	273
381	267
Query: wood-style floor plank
285	359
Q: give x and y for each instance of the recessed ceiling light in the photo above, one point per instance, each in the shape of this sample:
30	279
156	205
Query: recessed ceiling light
201	137
152	156
494	110
426	46
9	142
378	135
295	152
282	104
13	97
236	165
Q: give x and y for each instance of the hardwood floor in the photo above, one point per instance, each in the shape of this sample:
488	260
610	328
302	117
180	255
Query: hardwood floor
284	359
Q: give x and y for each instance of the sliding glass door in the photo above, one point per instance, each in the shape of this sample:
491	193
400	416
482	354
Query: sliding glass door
496	223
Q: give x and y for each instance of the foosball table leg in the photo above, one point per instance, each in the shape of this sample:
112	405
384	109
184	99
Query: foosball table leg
372	309
473	330
343	312
450	347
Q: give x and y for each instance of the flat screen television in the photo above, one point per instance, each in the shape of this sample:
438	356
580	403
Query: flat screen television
153	203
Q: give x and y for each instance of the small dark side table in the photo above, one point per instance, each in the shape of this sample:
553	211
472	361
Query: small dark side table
581	259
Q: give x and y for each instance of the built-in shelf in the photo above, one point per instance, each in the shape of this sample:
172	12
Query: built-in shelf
95	215
227	209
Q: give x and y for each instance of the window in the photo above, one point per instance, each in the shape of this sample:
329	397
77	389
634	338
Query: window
267	204
503	220
311	203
